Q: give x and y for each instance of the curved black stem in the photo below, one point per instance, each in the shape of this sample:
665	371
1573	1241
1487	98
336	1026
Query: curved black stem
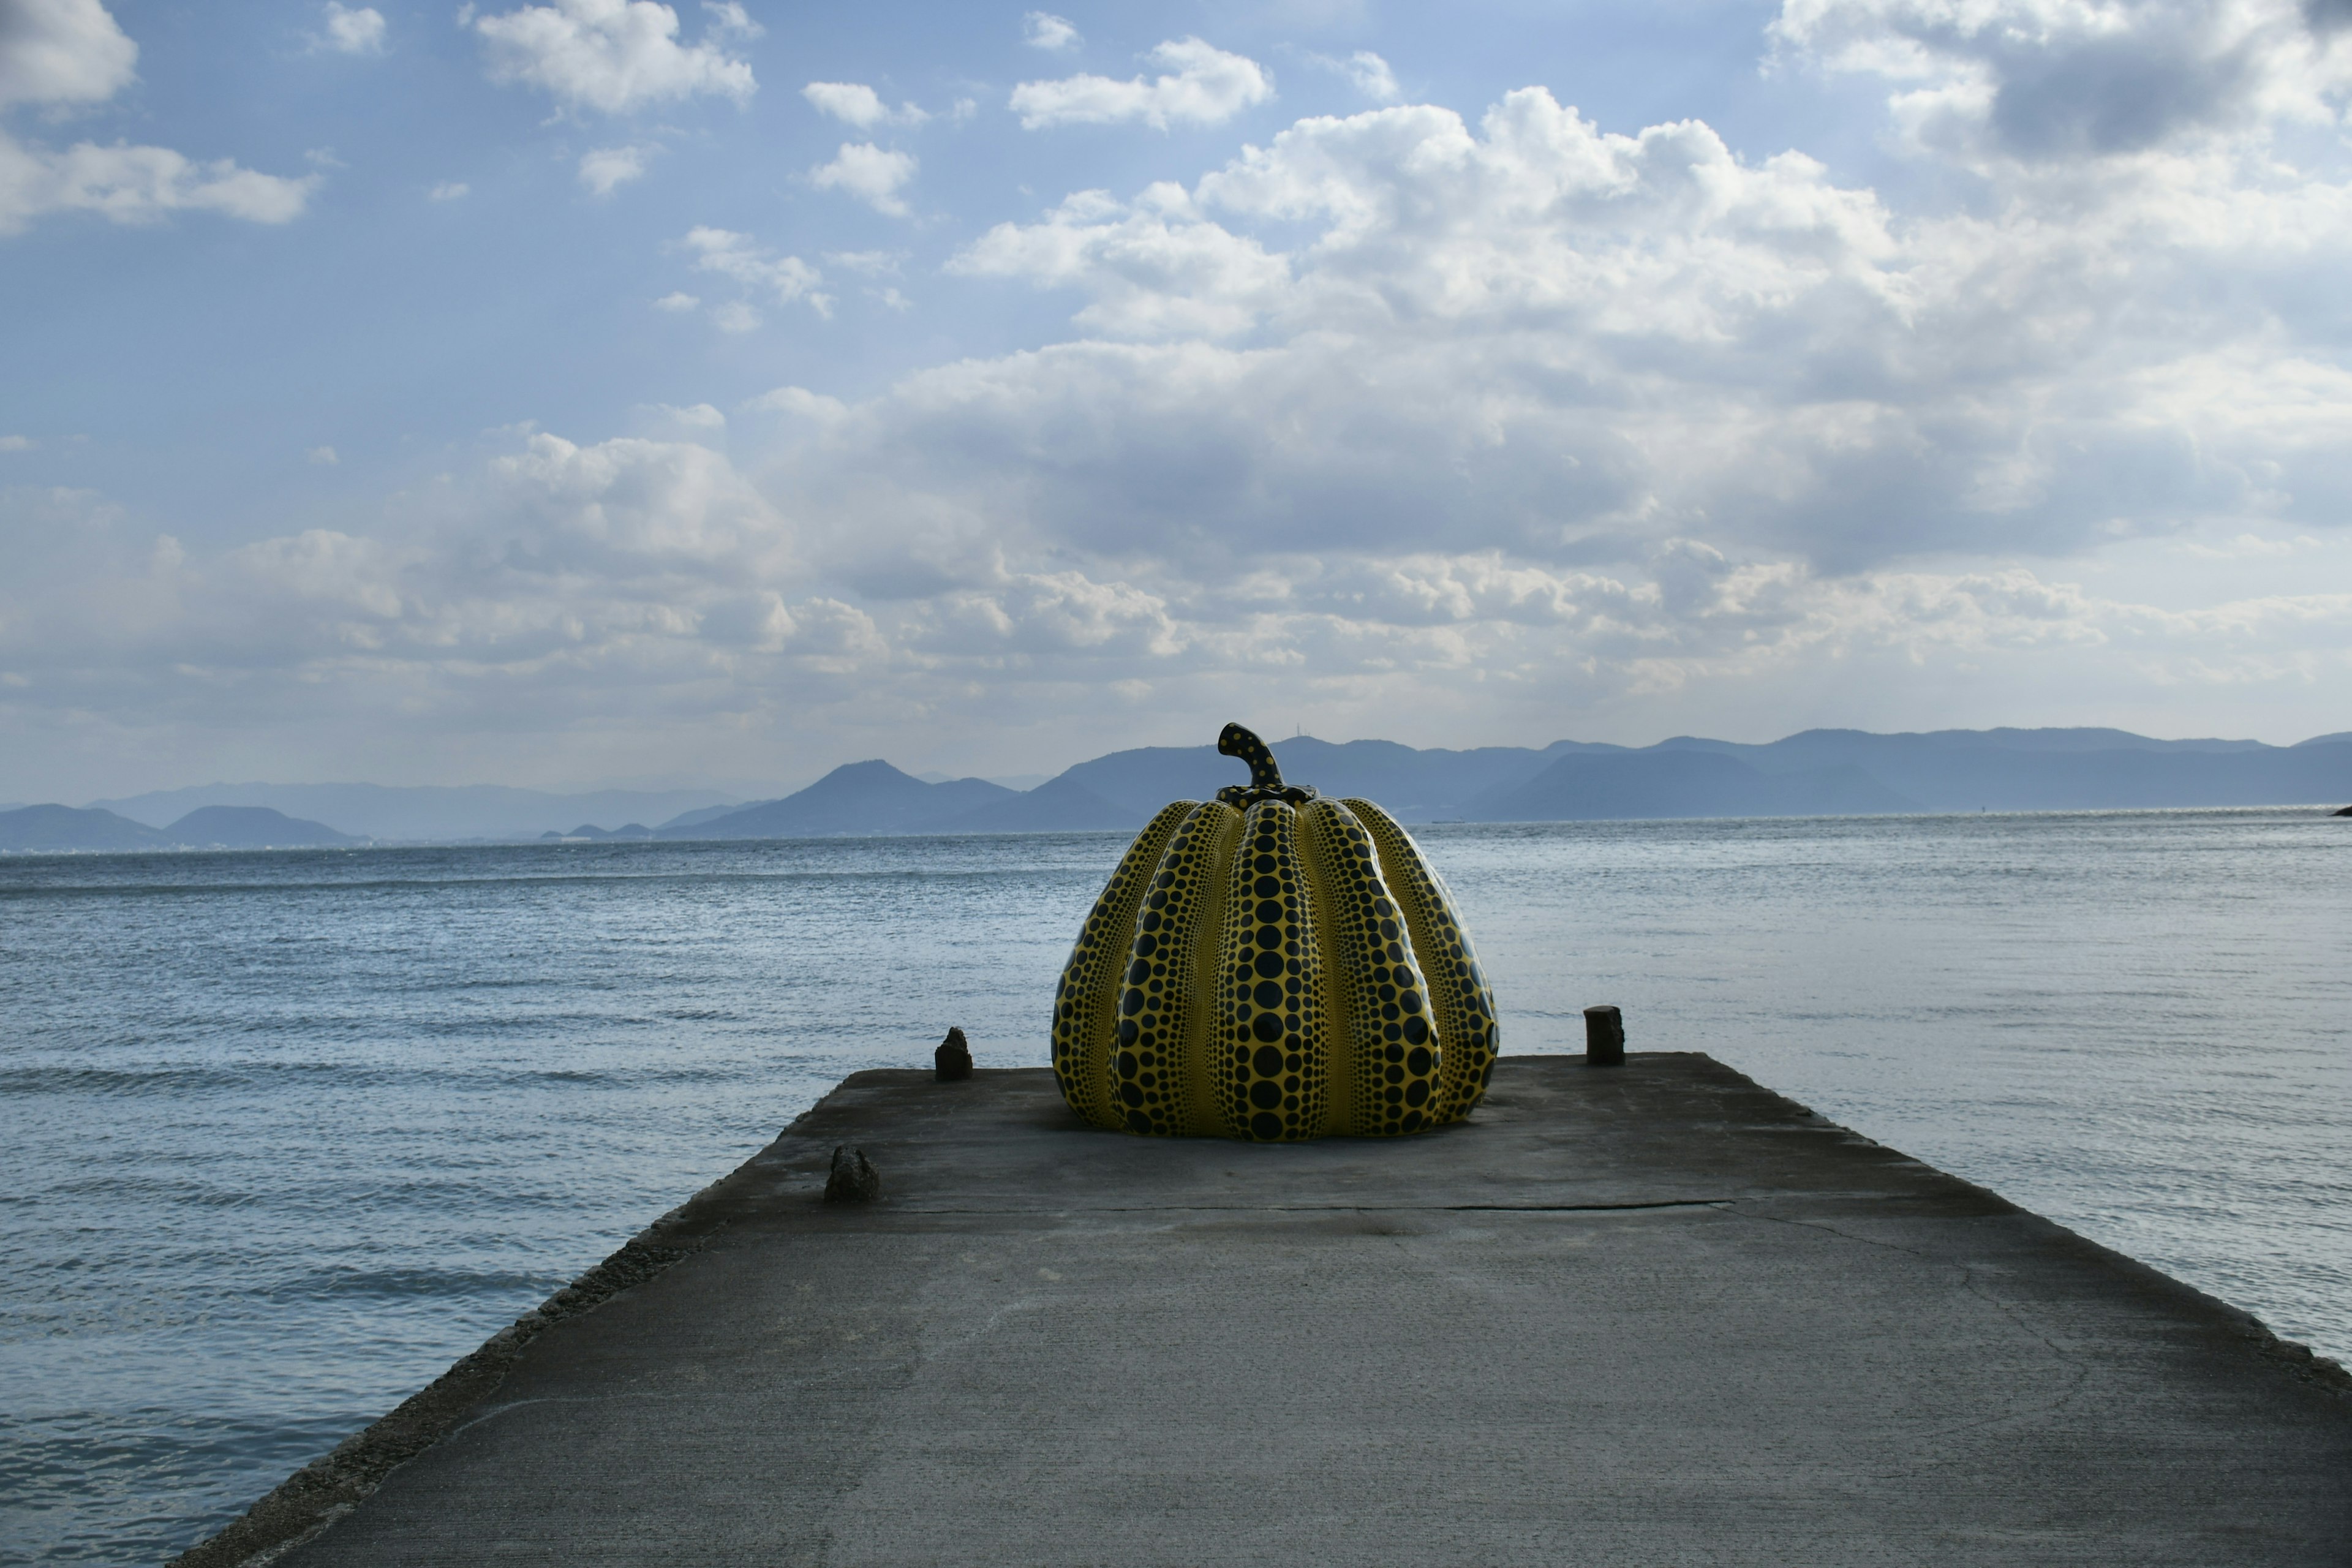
1265	776
1237	742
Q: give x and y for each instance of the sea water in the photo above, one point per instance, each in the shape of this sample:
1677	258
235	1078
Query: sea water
282	1135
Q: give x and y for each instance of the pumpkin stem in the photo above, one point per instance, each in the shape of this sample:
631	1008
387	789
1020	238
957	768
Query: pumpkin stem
1236	741
1265	777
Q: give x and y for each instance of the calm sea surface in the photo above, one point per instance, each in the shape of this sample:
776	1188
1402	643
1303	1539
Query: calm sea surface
282	1135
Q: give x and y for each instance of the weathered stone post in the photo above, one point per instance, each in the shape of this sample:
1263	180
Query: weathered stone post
1604	1037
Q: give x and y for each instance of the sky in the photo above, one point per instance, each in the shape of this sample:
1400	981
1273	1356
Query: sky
602	390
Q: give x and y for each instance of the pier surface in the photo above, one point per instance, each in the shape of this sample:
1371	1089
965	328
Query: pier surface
1635	1316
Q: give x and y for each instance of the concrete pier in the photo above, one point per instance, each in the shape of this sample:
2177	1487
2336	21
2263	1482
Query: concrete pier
1634	1316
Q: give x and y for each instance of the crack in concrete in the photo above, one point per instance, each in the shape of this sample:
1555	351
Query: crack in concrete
1970	1283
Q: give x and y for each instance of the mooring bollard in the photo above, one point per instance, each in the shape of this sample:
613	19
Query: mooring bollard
854	1179
952	1060
1604	1037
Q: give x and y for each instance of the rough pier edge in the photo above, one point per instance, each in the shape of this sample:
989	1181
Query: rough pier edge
305	1504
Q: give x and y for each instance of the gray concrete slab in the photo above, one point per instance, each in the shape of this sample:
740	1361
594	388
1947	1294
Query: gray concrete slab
1649	1315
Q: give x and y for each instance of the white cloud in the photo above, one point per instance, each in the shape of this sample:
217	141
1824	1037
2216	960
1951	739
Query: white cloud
1156	268
130	184
605	169
15	443
787	279
1198	85
729	17
801	401
449	191
2045	80
553	570
859	105
736	316
873	263
62	52
617	55
873	174
322	456
1043	30
346	31
1367	72
677	302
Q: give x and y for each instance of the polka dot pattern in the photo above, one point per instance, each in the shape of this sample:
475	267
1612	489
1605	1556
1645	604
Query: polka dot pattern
1160	1002
1255	968
1269	1056
1393	1052
1458	992
1086	1006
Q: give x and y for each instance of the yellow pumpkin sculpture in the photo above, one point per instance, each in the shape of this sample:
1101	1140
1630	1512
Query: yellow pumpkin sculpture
1273	965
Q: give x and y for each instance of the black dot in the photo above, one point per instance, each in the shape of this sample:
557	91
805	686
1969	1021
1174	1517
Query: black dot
1269	936
1417	1091
1265	1124
1267	994
1131	1094
1268	1026
1269	964
1265	1094
1416	1029
1268	1061
1417	1063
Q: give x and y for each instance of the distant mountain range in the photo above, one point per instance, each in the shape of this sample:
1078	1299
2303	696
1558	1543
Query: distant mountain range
427	813
1818	773
53	827
1822	773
